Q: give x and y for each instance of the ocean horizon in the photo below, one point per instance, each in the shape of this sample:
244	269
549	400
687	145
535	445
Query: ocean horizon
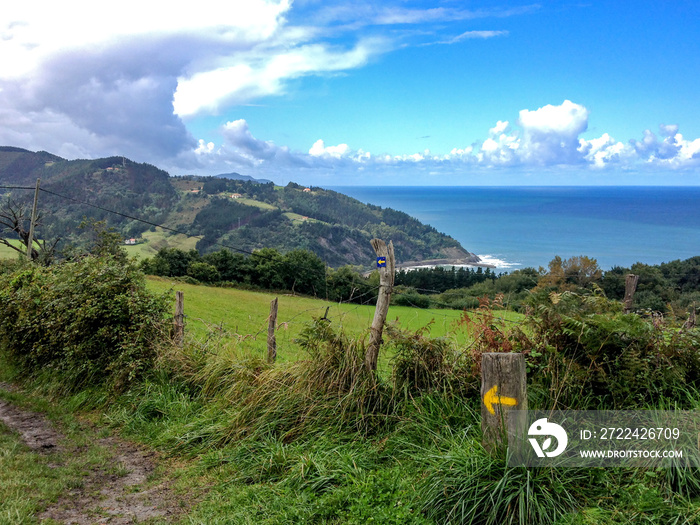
527	226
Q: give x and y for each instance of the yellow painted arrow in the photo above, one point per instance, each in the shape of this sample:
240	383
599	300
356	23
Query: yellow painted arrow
492	398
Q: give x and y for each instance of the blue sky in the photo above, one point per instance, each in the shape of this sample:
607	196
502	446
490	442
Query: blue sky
342	93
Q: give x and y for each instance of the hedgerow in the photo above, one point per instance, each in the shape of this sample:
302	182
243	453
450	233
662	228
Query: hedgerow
91	319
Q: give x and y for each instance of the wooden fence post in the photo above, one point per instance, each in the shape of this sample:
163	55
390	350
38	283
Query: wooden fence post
503	396
690	323
386	265
179	319
271	340
630	287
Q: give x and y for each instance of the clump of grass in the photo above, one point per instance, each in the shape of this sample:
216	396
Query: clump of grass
330	390
423	364
469	485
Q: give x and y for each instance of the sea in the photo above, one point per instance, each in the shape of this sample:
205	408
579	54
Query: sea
519	227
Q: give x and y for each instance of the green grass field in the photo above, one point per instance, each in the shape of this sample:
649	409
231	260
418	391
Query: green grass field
154	241
8	253
242	315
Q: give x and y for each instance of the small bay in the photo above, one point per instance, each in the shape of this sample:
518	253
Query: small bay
517	227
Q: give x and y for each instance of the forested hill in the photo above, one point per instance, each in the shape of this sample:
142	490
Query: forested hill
240	213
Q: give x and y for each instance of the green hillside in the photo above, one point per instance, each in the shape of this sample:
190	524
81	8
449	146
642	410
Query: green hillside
241	214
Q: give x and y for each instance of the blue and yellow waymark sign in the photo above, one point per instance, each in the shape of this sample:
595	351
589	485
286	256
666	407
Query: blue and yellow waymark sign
381	262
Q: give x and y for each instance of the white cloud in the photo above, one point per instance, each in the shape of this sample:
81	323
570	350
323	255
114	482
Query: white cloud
550	133
319	149
35	30
470	35
87	79
603	151
673	151
502	126
256	74
547	136
241	144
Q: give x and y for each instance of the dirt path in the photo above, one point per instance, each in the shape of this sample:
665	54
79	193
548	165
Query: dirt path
114	496
34	429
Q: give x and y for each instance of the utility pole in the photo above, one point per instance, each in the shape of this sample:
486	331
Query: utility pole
30	240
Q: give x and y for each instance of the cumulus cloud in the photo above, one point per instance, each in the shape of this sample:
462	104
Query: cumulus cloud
319	149
550	133
241	149
549	136
672	151
546	137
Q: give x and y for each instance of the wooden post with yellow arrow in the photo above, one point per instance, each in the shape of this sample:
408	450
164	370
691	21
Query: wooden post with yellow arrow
503	397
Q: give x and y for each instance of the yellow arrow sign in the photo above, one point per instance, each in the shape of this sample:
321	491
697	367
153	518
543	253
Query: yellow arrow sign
492	398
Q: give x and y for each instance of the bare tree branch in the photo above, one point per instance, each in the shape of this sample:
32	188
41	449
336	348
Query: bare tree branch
15	220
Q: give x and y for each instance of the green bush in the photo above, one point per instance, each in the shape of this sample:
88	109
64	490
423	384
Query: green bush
590	354
203	272
424	364
412	298
92	320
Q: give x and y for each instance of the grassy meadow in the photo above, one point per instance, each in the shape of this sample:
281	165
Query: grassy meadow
151	242
8	253
240	316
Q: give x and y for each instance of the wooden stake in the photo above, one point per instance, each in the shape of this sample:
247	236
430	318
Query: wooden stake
179	319
271	340
630	287
690	323
386	286
503	397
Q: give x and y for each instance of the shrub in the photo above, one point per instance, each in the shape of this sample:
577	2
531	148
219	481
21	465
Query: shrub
203	272
424	364
586	346
412	298
91	319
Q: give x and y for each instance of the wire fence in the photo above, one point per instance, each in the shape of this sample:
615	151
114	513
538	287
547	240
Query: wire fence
353	319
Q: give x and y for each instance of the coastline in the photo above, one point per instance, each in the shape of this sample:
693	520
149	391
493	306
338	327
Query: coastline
431	263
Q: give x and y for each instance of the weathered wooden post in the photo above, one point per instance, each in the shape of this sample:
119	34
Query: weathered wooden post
691	321
179	319
271	340
386	266
503	396
630	287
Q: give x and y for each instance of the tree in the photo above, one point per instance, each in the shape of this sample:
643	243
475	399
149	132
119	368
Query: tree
304	272
15	220
269	269
203	272
571	274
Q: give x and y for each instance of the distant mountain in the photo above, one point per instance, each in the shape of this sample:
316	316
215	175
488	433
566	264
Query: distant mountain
238	176
242	212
